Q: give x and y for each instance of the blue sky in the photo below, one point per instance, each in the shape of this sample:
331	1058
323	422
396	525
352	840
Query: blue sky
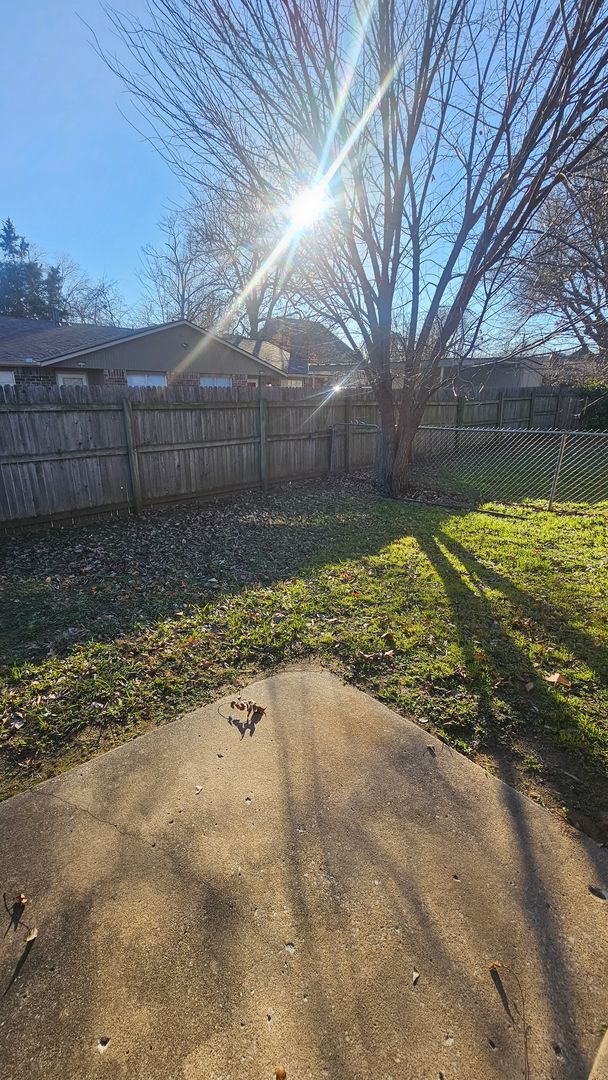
75	176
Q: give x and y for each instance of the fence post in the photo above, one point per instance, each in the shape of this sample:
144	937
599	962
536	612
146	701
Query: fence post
460	403
263	415
558	466
559	399
531	409
501	408
347	423
127	412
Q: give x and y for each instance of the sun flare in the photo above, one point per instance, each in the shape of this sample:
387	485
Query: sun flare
307	207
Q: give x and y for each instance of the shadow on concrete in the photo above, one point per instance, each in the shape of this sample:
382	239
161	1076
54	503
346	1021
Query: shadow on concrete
27	948
14	912
248	725
130	932
426	910
164	939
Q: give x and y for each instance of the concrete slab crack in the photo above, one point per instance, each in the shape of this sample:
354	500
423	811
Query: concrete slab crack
105	821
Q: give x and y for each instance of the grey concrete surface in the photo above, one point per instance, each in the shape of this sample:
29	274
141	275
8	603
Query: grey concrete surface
217	904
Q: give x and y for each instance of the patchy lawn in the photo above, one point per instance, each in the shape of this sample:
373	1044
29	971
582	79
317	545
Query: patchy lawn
455	618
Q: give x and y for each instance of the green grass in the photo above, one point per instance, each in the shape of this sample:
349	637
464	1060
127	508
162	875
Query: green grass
508	472
448	616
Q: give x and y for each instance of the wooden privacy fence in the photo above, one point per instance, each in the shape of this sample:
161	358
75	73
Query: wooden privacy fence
537	407
65	459
66	454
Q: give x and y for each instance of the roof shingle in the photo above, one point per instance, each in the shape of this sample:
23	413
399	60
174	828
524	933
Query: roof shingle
39	340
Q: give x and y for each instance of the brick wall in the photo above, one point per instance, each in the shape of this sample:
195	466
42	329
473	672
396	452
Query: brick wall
114	377
118	377
183	378
35	376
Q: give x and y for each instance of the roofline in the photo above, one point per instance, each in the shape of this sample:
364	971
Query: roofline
154	330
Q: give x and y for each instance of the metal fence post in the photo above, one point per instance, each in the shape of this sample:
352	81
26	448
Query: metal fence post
558	466
132	455
460	404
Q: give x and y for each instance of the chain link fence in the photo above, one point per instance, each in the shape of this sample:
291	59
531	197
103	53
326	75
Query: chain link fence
555	469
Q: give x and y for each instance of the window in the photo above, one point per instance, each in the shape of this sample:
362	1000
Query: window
141	378
72	378
293	383
7	378
222	381
253	383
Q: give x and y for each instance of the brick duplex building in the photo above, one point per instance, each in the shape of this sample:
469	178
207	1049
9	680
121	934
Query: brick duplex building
43	353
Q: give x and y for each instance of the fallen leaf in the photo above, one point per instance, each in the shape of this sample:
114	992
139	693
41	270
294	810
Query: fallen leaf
529	686
415	977
558	679
254	709
601	895
198	790
33	934
21	900
279	1073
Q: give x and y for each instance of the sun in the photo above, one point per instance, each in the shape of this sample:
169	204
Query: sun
307	207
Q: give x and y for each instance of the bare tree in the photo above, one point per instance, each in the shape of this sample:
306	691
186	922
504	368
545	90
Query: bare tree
178	275
88	300
239	234
431	133
565	273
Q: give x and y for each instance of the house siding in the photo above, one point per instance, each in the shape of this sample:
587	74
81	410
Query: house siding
176	347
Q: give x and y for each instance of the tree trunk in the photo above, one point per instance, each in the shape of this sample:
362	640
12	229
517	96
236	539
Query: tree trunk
410	416
386	446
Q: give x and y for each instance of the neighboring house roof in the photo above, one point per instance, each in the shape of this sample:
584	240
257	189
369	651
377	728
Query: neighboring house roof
49	344
533	362
308	337
53	343
10	325
263	350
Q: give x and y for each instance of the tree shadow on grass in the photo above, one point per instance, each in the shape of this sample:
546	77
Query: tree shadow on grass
165	566
96	583
499	669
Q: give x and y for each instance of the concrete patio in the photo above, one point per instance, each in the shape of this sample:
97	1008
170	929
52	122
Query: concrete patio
327	891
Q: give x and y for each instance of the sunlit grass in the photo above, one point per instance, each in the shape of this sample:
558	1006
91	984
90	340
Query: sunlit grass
448	617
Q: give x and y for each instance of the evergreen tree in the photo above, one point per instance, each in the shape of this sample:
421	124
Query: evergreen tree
31	288
53	288
27	288
12	245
